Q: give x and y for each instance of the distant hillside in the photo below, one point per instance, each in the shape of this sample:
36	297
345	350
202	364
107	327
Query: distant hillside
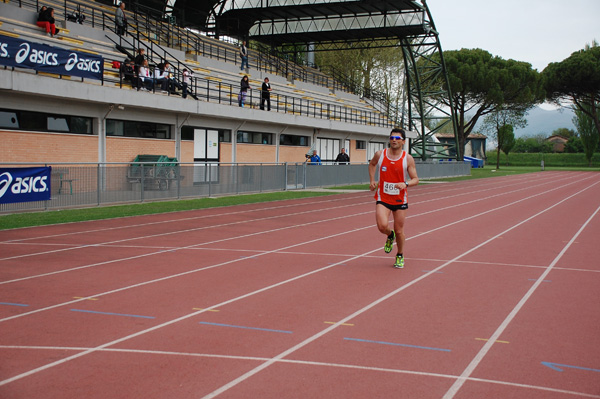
541	121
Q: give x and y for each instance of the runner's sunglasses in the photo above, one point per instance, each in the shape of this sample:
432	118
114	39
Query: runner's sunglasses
396	138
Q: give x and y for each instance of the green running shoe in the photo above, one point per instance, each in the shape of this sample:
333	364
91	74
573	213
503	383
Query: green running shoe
389	243
399	264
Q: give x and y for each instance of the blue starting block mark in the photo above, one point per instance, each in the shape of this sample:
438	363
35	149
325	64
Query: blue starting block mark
560	367
112	314
13	304
244	327
396	344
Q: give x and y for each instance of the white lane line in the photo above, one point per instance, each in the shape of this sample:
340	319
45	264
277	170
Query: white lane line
228	214
232	261
302	344
309	340
301	362
496	335
439	209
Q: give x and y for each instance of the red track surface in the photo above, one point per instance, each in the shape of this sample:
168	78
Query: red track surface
296	299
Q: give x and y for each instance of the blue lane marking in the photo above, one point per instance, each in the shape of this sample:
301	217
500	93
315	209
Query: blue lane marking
248	328
112	314
395	344
557	367
12	304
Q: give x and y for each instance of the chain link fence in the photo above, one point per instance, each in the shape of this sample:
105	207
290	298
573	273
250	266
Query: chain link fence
84	185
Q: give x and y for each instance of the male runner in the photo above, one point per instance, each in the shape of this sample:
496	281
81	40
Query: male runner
397	172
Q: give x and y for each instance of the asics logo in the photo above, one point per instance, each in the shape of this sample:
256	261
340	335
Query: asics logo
5	180
22	185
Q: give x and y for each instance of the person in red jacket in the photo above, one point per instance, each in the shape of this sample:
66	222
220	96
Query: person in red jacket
46	20
397	172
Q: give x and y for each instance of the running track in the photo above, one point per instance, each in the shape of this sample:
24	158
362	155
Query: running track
296	299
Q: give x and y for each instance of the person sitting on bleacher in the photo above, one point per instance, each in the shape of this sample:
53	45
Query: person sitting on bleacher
161	76
128	73
146	78
172	84
46	20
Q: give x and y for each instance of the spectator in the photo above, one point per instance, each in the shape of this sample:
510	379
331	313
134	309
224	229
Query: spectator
343	158
265	95
314	159
139	60
128	73
244	86
145	77
46	20
244	56
168	73
120	20
186	82
41	13
161	76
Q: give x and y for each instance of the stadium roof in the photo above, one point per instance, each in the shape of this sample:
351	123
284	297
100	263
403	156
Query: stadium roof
279	22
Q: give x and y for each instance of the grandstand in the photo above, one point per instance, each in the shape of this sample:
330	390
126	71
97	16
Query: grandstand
107	120
66	102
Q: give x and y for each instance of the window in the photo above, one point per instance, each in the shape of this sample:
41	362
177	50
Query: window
224	136
374	147
328	149
9	119
43	122
187	133
137	129
254	137
288	139
361	145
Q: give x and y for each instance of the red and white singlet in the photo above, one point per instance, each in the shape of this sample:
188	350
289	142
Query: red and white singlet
392	172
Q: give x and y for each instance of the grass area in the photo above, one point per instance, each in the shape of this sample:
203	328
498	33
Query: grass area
28	219
480	173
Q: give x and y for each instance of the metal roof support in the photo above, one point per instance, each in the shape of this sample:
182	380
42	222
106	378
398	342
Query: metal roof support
352	24
427	83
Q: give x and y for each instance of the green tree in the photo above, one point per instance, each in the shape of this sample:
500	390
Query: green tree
374	72
574	145
564	132
532	144
587	131
481	84
500	124
506	141
576	80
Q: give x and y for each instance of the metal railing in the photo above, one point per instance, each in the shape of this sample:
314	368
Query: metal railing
74	185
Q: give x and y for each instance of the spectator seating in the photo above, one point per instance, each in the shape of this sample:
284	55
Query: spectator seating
218	75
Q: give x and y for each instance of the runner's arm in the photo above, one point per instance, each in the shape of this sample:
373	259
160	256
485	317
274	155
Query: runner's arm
372	169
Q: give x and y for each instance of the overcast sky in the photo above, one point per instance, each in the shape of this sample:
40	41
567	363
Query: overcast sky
534	31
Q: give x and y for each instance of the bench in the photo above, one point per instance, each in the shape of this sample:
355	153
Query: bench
64	181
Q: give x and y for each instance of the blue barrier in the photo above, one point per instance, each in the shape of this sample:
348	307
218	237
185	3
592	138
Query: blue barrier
475	162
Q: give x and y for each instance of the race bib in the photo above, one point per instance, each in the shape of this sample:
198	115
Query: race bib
390	188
